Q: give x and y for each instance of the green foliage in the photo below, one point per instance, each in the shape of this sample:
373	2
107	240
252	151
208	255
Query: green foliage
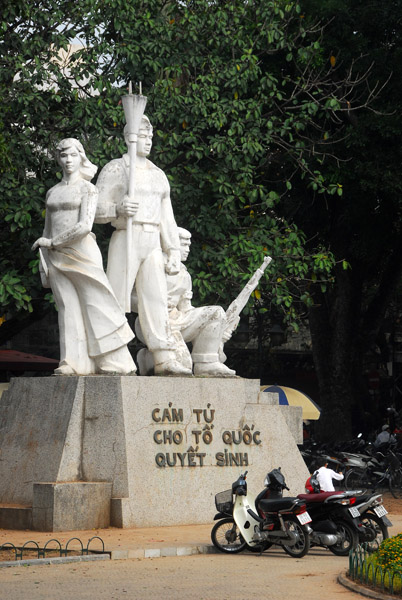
12	291
389	553
381	569
35	107
363	226
238	116
241	106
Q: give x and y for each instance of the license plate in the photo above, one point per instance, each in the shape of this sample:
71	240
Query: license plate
354	512
304	518
380	511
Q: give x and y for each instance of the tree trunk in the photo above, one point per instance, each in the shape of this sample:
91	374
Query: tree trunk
335	340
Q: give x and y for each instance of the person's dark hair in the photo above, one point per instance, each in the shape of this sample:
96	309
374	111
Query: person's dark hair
321	462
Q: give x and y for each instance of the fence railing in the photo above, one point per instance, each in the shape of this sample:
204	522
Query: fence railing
363	569
31	545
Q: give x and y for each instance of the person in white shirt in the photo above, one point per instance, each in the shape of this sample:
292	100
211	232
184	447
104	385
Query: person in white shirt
325	477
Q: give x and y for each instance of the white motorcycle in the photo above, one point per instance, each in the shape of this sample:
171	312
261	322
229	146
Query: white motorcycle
257	524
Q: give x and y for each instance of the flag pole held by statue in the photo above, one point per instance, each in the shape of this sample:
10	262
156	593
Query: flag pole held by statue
134	107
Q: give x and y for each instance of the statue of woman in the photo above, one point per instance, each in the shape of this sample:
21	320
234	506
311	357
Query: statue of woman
93	328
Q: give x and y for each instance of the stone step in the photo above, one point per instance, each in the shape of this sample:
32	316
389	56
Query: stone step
15	516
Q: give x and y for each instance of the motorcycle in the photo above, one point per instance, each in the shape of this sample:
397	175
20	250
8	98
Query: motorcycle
256	525
373	517
379	471
341	456
313	453
335	521
352	460
341	519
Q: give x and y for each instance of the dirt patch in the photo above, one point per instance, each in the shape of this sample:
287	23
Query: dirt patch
392	504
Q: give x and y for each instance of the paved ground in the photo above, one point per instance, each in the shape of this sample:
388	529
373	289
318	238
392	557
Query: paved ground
245	576
121	542
204	577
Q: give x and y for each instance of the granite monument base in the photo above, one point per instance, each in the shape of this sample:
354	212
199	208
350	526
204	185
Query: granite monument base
159	448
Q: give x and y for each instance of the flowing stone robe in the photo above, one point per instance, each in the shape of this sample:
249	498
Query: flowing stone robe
91	321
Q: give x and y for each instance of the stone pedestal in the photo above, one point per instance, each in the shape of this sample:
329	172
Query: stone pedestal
161	447
71	505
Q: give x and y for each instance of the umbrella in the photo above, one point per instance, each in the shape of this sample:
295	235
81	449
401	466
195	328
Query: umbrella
291	397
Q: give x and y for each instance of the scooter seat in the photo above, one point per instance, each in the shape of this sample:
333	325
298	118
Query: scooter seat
365	497
268	506
320	497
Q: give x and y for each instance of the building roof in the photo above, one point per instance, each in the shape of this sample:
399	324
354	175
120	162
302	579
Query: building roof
13	360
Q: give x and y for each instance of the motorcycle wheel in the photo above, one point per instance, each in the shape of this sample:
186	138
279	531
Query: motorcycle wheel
395	483
356	479
350	539
226	537
302	545
371	520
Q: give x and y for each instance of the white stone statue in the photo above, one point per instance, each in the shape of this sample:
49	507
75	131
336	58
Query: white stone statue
153	229
203	326
93	329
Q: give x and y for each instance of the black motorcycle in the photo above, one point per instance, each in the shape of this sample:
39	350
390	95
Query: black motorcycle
343	519
335	521
374	522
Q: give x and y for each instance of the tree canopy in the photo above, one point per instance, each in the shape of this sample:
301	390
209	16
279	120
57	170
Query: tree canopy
272	122
240	96
364	226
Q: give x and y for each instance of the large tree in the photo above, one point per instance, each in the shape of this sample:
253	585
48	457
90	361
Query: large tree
246	107
364	226
238	107
37	106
